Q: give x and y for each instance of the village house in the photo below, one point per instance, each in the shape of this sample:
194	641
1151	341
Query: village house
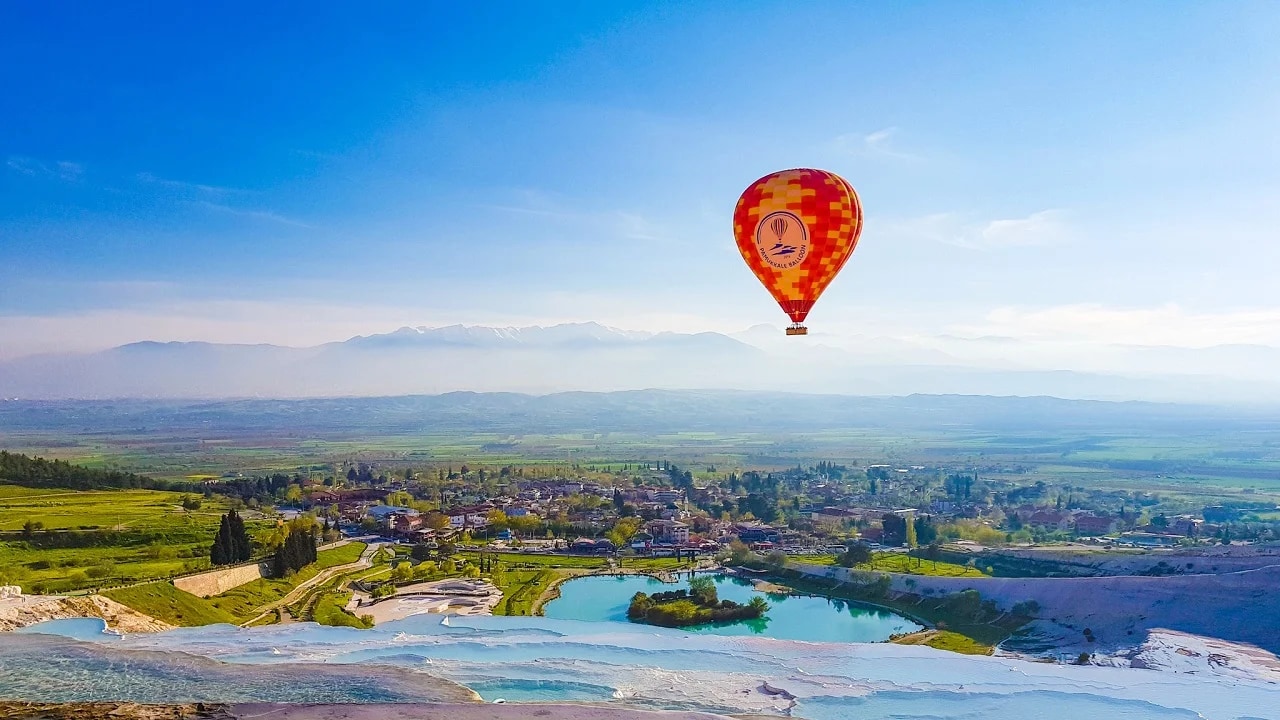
755	533
669	532
1094	525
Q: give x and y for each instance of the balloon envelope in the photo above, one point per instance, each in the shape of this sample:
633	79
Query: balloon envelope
796	229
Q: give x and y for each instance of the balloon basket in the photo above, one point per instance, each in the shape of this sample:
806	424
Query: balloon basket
797	329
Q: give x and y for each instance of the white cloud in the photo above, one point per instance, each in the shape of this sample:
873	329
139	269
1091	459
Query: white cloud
62	169
1166	325
1046	227
254	214
616	223
878	143
152	179
1040	228
221	321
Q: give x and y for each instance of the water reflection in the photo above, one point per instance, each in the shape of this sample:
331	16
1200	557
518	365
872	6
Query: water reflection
791	617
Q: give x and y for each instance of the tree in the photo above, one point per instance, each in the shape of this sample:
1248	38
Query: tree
231	543
855	554
297	551
241	545
739	552
703	591
524	524
895	529
352	475
420	552
926	533
497	520
402	573
623	530
776	559
910	526
759	604
424	570
437	521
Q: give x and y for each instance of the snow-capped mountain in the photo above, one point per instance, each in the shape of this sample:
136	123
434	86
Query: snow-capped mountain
590	356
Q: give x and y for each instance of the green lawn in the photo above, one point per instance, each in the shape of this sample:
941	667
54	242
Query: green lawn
247	600
901	563
329	610
652	563
162	601
538	560
148	510
102	538
945	640
522	588
580	561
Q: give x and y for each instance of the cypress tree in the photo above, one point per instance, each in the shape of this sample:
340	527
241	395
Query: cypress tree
223	550
278	568
298	551
241	545
217	555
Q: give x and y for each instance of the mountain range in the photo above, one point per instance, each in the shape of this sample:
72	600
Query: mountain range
593	357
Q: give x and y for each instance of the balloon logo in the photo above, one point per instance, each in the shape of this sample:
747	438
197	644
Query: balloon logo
779	227
796	229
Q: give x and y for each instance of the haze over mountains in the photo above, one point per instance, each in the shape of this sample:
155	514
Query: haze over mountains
592	357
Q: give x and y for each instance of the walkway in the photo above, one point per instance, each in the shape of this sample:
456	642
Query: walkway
366	560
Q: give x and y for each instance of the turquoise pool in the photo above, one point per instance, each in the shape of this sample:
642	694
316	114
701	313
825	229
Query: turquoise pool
818	619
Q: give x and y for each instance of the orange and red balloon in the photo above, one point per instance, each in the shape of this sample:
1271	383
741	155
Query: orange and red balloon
796	229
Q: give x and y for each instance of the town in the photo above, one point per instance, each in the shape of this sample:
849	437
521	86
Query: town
660	509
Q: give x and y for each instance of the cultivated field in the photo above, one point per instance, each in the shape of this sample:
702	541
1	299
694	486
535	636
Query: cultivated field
88	539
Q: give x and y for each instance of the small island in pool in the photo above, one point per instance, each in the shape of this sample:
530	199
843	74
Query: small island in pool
698	605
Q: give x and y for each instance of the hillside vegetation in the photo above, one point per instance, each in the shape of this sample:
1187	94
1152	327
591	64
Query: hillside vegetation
34	472
62	541
162	601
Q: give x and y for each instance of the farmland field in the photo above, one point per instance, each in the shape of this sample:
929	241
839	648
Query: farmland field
101	538
1201	454
901	563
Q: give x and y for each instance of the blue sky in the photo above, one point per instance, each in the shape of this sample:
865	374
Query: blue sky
1099	172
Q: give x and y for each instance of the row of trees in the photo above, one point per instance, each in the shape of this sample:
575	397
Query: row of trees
19	469
231	544
698	605
297	551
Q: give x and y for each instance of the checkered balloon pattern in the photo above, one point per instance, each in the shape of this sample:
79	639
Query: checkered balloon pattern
827	206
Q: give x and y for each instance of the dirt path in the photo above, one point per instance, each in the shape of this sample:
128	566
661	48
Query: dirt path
366	560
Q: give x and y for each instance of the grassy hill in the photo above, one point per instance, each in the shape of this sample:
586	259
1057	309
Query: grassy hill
80	539
162	601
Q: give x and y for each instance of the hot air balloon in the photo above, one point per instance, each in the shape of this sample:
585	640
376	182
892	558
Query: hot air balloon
796	229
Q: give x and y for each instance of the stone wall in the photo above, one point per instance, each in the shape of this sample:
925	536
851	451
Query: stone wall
216	582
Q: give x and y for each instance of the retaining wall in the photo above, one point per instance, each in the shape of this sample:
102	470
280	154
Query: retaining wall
216	582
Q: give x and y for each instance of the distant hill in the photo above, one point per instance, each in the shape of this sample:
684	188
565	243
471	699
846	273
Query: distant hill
16	469
641	411
592	357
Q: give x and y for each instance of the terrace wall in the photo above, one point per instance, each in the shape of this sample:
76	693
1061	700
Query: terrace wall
216	582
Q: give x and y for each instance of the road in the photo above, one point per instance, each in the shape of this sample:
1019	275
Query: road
366	560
